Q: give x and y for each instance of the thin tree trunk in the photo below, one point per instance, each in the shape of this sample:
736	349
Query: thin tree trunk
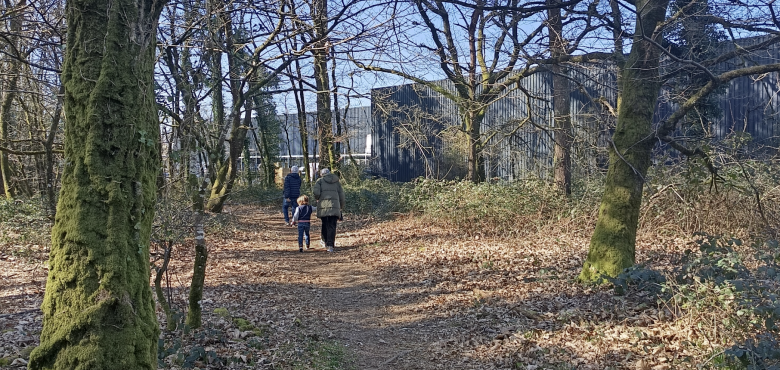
6	115
328	155
194	307
247	160
51	196
300	105
160	271
268	165
561	103
612	247
98	311
476	162
336	110
196	184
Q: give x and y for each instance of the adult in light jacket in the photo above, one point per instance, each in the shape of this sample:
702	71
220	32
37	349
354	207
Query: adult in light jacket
330	203
291	192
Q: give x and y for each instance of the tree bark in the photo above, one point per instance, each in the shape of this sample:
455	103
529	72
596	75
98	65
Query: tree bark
6	115
328	155
300	105
194	307
226	176
51	196
561	103
228	167
170	317
476	161
98	308
612	247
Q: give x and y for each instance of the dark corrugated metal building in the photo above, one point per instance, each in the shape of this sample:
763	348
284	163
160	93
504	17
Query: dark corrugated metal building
410	136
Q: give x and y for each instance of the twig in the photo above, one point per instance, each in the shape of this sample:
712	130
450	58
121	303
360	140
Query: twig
626	161
397	355
712	357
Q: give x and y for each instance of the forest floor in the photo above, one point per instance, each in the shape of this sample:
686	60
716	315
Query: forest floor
396	294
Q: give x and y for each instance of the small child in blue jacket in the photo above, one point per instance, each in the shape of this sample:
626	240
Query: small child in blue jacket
302	218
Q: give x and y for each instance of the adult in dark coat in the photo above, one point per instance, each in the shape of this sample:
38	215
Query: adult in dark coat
291	192
330	203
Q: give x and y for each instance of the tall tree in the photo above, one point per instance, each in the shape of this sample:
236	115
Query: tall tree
98	308
612	246
478	47
320	51
249	71
561	100
614	239
13	64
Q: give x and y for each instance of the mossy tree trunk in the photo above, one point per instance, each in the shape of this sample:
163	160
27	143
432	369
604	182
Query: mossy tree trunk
10	92
228	171
98	308
228	167
614	239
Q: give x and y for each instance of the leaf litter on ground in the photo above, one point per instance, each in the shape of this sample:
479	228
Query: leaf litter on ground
398	294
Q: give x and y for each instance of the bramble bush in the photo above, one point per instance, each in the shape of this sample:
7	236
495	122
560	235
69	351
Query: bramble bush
489	207
728	292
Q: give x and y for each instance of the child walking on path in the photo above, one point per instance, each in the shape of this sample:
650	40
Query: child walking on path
302	218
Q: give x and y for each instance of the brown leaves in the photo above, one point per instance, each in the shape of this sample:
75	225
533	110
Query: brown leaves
407	293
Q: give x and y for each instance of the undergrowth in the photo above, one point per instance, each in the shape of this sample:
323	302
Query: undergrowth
725	293
21	225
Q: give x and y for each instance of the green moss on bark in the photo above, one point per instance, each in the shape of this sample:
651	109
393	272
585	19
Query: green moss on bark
98	308
612	247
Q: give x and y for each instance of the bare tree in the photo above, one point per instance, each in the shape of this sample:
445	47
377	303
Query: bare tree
480	49
612	247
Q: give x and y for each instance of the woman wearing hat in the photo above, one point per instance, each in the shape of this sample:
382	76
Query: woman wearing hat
291	192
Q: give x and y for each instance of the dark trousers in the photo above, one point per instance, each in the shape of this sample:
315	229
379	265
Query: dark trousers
288	207
303	233
329	230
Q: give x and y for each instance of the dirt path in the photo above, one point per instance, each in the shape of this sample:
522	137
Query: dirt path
336	294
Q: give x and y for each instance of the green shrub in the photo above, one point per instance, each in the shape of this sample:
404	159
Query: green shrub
486	207
378	198
263	195
733	304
